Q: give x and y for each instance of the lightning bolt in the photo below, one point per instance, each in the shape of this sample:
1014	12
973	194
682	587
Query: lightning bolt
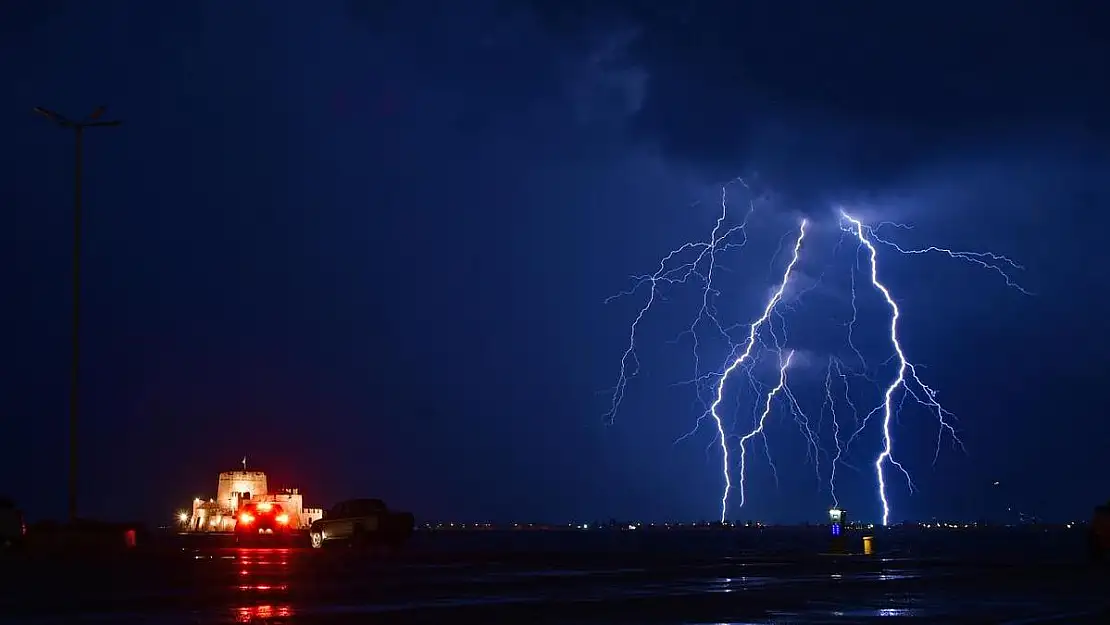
696	261
674	270
830	405
758	429
739	360
987	260
855	312
905	369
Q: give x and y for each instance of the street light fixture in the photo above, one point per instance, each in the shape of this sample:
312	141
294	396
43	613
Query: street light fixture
93	120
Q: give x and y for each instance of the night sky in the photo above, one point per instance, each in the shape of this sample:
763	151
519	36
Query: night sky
368	245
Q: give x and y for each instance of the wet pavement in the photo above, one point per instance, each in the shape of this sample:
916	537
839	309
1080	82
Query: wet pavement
619	579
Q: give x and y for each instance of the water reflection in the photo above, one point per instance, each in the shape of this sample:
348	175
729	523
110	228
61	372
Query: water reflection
263	557
879	612
265	612
266	562
262	585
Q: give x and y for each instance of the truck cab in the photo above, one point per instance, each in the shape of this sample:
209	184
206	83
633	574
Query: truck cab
361	522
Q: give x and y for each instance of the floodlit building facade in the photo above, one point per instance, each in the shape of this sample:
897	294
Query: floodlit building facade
236	488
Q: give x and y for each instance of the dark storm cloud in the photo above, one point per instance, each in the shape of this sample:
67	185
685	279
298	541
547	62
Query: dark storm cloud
374	14
824	97
317	212
22	18
433	40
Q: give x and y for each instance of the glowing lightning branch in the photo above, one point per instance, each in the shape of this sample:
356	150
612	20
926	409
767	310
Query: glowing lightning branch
905	367
855	312
669	272
696	262
813	443
738	361
758	430
830	402
986	260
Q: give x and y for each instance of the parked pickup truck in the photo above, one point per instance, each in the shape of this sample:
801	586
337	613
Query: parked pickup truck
361	522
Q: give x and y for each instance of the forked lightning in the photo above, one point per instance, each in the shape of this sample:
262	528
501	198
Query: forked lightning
695	262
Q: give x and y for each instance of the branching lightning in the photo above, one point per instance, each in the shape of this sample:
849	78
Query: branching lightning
887	453
669	274
830	405
697	262
758	430
739	360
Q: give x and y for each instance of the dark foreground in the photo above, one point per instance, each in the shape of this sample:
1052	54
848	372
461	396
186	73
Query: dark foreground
752	576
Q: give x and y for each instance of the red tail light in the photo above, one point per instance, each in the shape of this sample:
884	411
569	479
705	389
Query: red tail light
246	518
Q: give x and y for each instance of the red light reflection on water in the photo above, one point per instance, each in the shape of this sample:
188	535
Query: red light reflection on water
264	587
261	557
268	571
255	613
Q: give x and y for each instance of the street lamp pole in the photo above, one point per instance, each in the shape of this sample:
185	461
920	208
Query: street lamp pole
93	120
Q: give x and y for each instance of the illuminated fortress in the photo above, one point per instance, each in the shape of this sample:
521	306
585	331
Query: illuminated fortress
236	488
